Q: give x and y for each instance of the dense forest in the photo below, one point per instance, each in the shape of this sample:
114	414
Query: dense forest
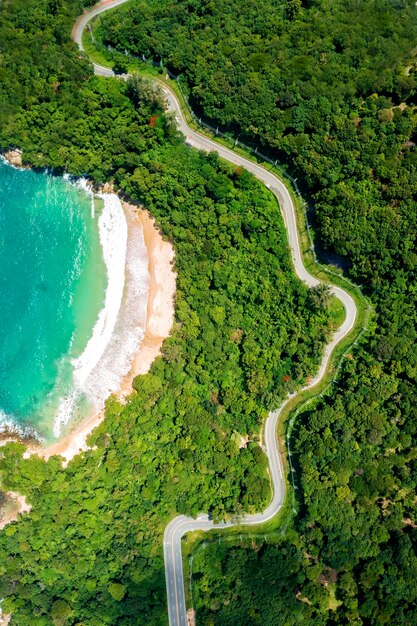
246	332
327	88
306	83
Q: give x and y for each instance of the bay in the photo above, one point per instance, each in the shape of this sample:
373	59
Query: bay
52	288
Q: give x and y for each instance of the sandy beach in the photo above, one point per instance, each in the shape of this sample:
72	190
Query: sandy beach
14	506
160	317
160	309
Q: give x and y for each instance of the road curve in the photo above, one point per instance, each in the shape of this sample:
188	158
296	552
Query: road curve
181	524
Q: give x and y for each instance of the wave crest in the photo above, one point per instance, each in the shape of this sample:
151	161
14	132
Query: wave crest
120	327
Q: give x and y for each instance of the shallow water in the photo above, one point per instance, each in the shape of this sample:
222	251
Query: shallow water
66	334
52	285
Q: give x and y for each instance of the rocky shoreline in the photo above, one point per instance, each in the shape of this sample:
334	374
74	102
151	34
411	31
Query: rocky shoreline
10	435
14	157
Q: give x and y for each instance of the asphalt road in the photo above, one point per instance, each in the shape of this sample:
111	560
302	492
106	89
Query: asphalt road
181	525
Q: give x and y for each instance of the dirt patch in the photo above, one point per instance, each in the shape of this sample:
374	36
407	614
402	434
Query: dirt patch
14	504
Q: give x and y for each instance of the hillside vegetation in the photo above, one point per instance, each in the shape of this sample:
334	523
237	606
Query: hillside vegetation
246	332
322	86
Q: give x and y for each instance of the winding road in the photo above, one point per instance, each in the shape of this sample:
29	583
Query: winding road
181	525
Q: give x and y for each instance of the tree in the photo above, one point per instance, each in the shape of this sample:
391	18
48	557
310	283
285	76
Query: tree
60	612
141	90
320	296
120	65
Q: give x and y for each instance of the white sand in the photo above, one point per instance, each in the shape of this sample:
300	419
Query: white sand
14	506
160	317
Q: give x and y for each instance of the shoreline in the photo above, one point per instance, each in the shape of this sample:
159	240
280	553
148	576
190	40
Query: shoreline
160	306
158	325
159	321
14	158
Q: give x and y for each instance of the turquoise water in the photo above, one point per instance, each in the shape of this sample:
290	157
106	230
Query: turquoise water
52	288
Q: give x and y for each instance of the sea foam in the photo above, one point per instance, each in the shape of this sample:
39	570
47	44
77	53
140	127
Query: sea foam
119	329
120	326
130	328
10	426
85	185
113	239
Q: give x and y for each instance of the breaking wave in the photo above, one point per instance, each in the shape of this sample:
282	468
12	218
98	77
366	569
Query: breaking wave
10	426
120	326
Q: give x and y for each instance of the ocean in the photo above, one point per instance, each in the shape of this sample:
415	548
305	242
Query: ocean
70	323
